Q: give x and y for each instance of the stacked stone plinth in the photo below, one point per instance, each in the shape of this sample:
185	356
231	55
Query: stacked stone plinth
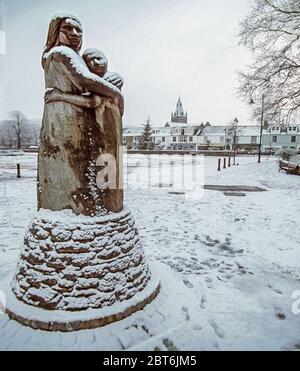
73	263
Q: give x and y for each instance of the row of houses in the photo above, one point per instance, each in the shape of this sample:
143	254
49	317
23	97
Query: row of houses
181	135
217	137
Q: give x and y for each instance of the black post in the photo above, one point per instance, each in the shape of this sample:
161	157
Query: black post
234	141
18	171
229	161
224	166
219	164
261	128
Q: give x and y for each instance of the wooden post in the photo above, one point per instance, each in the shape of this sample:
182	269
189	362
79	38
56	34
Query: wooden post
160	174
219	164
229	161
224	166
18	171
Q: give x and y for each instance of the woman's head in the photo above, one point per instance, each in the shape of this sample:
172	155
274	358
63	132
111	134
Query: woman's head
96	61
64	30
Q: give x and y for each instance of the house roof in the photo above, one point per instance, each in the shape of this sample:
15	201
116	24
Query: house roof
214	130
163	132
248	130
242	130
133	131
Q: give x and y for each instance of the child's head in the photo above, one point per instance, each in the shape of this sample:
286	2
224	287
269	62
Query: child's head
96	61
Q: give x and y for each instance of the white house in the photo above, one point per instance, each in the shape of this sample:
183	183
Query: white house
278	137
131	136
162	137
213	137
248	137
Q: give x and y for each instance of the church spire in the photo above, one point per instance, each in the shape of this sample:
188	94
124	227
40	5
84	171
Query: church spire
179	108
179	115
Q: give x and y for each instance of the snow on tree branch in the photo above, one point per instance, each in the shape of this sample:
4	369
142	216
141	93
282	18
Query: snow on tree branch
271	31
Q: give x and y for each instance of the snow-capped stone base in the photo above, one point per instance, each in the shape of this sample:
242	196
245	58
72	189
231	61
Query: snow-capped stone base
74	263
64	321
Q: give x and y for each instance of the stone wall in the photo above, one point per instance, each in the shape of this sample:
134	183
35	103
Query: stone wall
74	263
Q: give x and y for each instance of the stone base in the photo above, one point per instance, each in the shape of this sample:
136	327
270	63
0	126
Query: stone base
63	321
76	263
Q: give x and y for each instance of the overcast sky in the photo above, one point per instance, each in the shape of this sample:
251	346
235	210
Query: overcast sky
163	49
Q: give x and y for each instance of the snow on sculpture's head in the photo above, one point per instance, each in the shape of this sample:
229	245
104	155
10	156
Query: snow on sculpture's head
96	61
64	30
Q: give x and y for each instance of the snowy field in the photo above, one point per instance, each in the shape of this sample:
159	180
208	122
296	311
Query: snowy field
229	265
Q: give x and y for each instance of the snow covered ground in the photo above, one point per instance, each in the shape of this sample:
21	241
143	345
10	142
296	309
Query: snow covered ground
229	265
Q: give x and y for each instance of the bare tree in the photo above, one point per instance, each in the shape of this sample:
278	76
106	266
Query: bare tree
19	122
7	135
271	31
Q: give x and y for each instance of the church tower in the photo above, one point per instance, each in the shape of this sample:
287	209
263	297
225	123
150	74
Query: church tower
179	116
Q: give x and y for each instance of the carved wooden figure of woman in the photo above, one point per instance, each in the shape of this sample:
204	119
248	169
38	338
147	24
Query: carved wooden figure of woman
71	138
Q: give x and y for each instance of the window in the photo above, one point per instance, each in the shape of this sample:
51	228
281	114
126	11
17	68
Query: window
294	128
163	139
253	140
174	139
274	139
293	139
190	139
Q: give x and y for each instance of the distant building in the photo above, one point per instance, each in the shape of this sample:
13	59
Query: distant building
132	136
278	137
179	116
212	137
248	137
179	134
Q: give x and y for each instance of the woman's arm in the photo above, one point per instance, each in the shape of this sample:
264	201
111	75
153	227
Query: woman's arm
56	95
80	74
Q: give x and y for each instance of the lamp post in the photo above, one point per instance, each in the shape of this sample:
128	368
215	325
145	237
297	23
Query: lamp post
261	125
235	124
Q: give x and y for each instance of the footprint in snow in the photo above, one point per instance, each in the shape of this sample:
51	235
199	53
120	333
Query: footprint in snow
203	302
217	329
279	314
185	312
279	292
188	284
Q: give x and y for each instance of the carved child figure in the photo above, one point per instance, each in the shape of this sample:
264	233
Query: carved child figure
109	156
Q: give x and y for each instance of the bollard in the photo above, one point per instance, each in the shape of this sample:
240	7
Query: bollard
219	164
224	166
160	174
18	171
229	161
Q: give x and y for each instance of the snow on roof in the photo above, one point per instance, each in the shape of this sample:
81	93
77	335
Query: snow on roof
215	130
163	132
180	125
133	131
248	130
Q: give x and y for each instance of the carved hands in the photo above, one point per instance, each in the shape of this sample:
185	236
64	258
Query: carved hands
53	95
115	79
